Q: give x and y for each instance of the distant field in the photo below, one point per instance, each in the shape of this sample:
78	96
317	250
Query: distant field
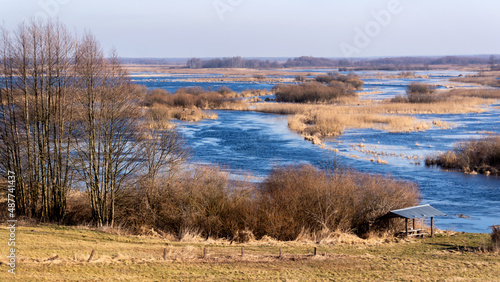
61	253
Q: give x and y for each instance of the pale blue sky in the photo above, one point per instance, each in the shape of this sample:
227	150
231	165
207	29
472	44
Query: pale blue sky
275	28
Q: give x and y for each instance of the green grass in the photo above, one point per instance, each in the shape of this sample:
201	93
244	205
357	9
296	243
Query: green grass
135	258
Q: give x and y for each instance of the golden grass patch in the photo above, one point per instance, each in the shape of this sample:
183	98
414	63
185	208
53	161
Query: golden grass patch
65	252
325	120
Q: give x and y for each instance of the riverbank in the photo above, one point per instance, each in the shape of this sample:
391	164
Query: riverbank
65	253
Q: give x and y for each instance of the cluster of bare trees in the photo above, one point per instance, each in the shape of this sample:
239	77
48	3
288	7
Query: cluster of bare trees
36	116
69	119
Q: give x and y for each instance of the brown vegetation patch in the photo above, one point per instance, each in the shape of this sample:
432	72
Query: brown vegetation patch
161	115
332	120
312	92
495	237
187	104
298	198
473	156
293	202
485	78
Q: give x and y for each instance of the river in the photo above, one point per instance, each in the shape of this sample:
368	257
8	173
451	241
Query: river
253	143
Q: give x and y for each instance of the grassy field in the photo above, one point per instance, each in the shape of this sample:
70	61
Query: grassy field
61	253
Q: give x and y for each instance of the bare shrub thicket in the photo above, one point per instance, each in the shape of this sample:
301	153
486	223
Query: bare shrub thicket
200	201
481	156
350	79
495	237
300	78
190	97
418	93
297	198
293	200
313	92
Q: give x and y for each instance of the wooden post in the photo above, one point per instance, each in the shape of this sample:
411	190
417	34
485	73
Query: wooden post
414	224
281	253
164	253
315	251
91	256
242	251
432	227
406	226
204	252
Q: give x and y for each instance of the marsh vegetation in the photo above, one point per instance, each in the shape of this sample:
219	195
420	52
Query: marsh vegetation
472	156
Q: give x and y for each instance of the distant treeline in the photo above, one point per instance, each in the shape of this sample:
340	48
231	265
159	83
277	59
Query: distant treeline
399	63
395	63
234	62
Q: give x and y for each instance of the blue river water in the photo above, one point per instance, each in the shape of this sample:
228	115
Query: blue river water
253	143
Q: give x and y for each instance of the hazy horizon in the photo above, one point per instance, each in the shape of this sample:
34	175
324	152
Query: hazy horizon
257	28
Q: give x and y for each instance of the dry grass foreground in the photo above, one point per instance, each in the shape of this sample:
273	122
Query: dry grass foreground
65	251
323	120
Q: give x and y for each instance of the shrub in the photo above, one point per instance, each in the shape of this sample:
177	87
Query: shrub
420	88
406	74
482	156
312	92
193	97
225	91
355	81
197	90
495	237
418	93
79	212
297	198
421	93
324	78
293	200
259	76
300	78
399	99
156	96
202	201
183	100
350	79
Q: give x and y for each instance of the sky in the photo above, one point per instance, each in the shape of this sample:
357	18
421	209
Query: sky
274	28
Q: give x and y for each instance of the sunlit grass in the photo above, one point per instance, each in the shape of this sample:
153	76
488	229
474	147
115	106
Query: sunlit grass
61	253
332	119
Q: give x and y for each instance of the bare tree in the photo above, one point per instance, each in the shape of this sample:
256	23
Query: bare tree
107	148
37	112
66	111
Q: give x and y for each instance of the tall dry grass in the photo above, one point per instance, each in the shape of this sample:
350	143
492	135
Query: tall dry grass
331	120
478	93
482	80
482	156
426	94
